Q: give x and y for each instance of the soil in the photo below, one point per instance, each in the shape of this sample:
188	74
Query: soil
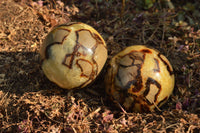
29	102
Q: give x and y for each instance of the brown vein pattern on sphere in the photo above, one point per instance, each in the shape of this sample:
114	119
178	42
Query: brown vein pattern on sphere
79	48
169	68
139	78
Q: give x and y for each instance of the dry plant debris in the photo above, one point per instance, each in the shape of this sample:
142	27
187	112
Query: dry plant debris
29	102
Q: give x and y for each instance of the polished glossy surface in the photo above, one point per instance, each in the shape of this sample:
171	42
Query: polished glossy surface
139	78
72	55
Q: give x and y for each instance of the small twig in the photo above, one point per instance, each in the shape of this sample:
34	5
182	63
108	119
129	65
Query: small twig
8	126
163	32
143	35
191	128
122	11
121	107
91	115
50	118
170	126
92	92
126	39
163	119
150	38
157	107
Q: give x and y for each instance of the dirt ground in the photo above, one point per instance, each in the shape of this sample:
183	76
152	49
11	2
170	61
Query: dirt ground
29	102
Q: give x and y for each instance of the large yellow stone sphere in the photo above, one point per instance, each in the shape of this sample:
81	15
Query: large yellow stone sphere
73	55
139	78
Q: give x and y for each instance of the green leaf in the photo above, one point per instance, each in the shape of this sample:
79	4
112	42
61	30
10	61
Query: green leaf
149	3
